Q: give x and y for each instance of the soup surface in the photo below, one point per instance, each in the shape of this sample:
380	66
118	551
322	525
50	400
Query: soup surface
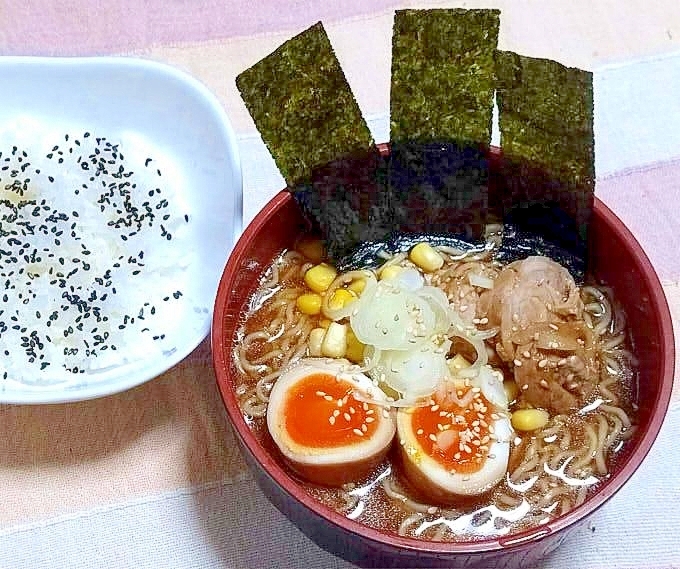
510	386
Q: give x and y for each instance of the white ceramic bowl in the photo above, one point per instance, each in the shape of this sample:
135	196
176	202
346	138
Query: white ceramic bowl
150	111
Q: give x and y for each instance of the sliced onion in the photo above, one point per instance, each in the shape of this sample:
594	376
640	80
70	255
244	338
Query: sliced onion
392	318
480	280
492	387
409	279
415	373
482	356
439	303
371	357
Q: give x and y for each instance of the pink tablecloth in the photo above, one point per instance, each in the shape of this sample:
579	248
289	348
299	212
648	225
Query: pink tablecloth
151	477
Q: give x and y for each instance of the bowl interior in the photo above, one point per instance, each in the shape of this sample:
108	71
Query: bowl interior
617	261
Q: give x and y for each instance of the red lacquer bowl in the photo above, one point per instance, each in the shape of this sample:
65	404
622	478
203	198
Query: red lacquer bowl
616	259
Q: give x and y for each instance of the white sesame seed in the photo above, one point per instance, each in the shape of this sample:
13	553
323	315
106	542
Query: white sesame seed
544	383
358	432
328	398
434	408
331	420
347	417
526	354
336	413
320	393
352	410
369	420
364	428
432	438
543	363
554	326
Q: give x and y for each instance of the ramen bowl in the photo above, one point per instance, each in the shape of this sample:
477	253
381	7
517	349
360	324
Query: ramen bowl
616	259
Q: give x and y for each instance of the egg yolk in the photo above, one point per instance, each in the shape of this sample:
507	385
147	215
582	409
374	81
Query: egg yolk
456	437
321	412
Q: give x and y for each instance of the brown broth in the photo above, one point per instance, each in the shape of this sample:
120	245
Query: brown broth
508	508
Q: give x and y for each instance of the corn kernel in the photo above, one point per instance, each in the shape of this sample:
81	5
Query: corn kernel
457	363
320	277
315	341
309	303
426	257
341	298
357	286
390	271
334	343
311	248
529	419
355	349
511	389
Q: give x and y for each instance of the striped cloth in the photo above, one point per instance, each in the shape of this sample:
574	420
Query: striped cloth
152	477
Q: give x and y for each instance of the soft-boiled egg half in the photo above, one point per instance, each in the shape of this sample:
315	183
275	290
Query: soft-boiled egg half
458	445
319	418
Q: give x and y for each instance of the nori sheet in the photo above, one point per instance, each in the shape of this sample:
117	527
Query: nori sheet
443	75
548	169
347	203
441	102
439	178
303	106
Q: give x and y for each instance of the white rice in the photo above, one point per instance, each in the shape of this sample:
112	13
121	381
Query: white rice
87	282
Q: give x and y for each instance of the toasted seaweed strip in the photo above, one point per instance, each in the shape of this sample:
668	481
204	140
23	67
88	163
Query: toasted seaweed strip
347	202
443	75
303	106
443	78
546	124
